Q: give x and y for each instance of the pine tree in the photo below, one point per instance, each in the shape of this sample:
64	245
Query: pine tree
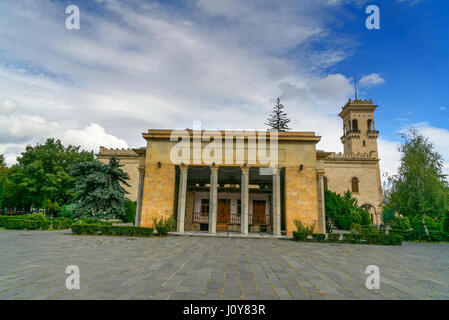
278	119
99	191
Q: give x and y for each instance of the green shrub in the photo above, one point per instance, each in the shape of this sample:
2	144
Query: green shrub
319	237
333	237
445	223
383	239
300	235
25	224
130	211
352	237
164	226
402	223
302	228
102	229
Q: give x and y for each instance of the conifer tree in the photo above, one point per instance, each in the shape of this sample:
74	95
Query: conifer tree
278	120
99	189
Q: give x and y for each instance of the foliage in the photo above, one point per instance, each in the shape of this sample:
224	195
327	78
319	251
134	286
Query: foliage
98	189
130	211
401	223
3	177
34	222
387	215
41	176
343	211
163	226
445	223
419	188
299	235
302	228
109	230
333	237
352	237
319	237
278	119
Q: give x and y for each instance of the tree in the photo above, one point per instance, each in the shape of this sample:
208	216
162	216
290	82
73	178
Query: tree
98	189
41	176
419	188
3	177
278	119
343	211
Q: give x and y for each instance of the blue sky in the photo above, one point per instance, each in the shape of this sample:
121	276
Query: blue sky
135	65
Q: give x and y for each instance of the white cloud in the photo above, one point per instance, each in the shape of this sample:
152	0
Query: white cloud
141	65
439	137
371	80
91	138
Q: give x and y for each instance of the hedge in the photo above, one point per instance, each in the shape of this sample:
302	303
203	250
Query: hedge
299	236
378	239
101	229
319	237
25	224
333	237
34	222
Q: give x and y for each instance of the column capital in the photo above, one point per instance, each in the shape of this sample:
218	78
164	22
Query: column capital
245	170
213	169
183	168
276	171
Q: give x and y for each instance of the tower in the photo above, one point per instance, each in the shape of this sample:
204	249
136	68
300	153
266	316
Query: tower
359	132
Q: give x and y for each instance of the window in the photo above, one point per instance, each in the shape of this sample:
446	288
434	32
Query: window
204	207
355	185
355	125
370	123
364	143
325	183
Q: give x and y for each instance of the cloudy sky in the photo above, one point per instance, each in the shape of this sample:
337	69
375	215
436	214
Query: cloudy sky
135	65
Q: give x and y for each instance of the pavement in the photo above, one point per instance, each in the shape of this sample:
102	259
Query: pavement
33	265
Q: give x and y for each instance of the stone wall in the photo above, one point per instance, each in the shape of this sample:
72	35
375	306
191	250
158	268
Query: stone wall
301	197
340	172
158	193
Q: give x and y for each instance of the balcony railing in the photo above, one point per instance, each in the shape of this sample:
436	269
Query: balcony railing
234	218
373	131
198	217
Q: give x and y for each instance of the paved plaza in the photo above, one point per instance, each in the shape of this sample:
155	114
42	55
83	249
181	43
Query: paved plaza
33	264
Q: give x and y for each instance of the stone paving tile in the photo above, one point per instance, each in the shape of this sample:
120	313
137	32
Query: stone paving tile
32	266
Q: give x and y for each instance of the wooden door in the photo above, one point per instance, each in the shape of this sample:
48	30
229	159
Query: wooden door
259	216
223	210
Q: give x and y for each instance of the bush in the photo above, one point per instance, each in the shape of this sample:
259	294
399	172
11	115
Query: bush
93	221
352	237
102	229
319	237
164	226
299	235
401	223
383	239
302	228
25	224
130	211
333	237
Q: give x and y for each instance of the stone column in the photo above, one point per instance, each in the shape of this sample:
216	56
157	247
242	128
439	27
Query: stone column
139	197
322	209
182	197
276	202
213	200
244	201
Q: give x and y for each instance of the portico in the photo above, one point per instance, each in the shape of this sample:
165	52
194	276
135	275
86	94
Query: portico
228	198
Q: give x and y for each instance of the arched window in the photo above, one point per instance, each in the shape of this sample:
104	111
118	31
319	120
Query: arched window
325	183
355	185
370	125
355	125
